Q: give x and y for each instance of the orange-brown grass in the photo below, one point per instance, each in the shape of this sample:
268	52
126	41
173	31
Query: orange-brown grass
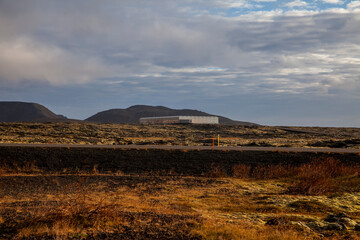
99	206
230	135
213	230
28	167
272	171
150	138
314	185
216	171
328	167
241	171
125	213
105	206
320	176
261	171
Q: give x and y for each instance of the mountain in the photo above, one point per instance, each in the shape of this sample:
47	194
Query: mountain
134	113
27	112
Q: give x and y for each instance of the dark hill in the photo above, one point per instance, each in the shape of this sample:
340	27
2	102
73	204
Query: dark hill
26	112
132	115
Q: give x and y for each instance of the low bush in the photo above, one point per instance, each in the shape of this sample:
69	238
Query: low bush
327	168
314	185
216	171
320	176
241	171
272	171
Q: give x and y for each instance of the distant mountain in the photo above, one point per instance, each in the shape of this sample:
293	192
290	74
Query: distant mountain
27	112
134	113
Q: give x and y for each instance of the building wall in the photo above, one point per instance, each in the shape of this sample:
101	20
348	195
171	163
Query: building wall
180	119
201	119
159	120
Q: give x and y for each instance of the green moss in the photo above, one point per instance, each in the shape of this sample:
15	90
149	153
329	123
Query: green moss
349	184
311	207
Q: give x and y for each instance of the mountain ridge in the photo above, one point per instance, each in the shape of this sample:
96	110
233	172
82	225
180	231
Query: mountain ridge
14	111
132	114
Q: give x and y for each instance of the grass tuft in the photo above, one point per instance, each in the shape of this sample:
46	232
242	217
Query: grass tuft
241	171
218	230
216	171
318	177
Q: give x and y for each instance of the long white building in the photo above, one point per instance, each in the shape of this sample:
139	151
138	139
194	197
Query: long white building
180	119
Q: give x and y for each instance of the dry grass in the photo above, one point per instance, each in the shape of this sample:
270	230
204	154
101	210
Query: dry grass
198	135
162	205
324	167
329	168
241	171
129	206
28	167
216	171
244	231
83	211
321	176
314	185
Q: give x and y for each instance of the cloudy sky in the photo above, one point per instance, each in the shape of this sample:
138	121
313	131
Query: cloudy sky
272	62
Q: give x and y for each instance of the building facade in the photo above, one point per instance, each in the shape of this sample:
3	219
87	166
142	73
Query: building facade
180	119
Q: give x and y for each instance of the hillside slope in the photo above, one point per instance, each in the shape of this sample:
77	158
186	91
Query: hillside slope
133	113
26	112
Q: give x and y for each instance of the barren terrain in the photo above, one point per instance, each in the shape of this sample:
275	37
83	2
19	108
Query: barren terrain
264	204
80	193
196	135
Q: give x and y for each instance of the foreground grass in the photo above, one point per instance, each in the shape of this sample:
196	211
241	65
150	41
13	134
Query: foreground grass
115	206
255	202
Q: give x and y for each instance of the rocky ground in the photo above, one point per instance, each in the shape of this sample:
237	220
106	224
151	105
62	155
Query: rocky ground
68	193
198	135
104	206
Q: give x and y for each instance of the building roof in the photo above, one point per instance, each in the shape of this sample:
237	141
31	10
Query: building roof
180	117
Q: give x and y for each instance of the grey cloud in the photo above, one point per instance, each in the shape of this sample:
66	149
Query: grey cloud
296	34
144	41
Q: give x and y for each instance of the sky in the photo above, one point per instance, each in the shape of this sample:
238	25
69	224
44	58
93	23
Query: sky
272	62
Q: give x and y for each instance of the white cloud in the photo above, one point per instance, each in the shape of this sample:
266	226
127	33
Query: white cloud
232	3
174	51
296	3
197	69
353	4
333	1
156	46
264	0
27	60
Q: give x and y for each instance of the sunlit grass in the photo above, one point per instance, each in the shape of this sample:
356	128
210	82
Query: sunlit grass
220	208
197	135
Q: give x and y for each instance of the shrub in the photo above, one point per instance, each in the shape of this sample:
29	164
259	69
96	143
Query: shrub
320	176
314	185
216	171
272	171
241	171
263	171
328	168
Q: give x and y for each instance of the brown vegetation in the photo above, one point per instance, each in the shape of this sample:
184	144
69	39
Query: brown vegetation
97	205
108	207
68	193
320	176
197	135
